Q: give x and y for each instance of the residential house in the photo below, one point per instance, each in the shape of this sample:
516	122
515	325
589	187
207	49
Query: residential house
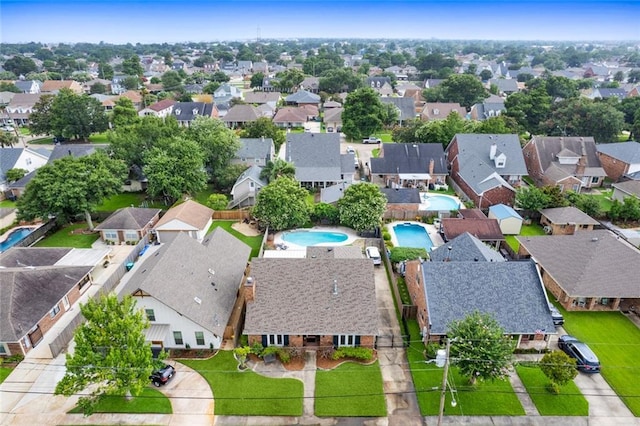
254	151
190	218
566	221
411	165
246	188
19	158
135	97
160	109
194	89
505	86
290	117
493	106
302	97
186	112
511	292
622	190
311	84
188	290
487	168
89	84
485	229
418	99
465	248
19	109
28	86
317	302
333	119
403	87
605	93
227	90
5	98
54	86
317	159
261	98
441	110
128	224
245	67
571	163
117	84
377	82
509	220
405	107
619	159
587	270
402	199
241	114
38	286
261	66
430	83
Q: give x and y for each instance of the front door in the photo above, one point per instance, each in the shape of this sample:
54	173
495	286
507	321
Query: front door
311	340
35	336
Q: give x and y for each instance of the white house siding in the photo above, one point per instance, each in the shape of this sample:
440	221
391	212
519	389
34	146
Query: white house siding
177	322
243	189
508	226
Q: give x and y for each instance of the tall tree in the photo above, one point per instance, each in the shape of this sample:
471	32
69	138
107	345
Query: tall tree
71	186
111	356
585	117
278	168
7	139
530	109
256	80
124	113
464	89
174	169
362	206
263	127
20	65
282	205
171	81
531	198
480	348
218	143
363	113
132	66
131	143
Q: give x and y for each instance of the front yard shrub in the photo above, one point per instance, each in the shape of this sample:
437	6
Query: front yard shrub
400	254
256	348
284	355
364	354
432	350
386	235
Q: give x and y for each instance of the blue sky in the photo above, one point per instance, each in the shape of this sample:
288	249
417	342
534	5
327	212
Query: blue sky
122	21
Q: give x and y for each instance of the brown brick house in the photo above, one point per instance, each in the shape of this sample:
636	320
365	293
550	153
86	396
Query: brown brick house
128	224
485	229
566	221
588	270
620	159
317	302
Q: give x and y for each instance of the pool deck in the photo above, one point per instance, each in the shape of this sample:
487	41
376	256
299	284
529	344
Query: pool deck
424	197
4	236
351	234
434	236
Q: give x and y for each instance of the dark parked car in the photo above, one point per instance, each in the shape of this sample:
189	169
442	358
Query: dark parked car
586	360
162	376
557	317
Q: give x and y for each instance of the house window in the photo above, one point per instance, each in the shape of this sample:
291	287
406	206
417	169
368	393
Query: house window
349	340
3	349
200	338
54	311
275	339
65	302
595	179
576	187
151	316
111	235
177	337
131	236
28	161
251	185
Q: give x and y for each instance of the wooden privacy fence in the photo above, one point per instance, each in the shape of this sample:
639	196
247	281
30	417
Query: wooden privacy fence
231	214
408	214
37	234
62	340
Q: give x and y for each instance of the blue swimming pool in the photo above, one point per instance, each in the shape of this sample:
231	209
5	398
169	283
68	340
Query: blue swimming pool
412	235
15	236
441	202
313	238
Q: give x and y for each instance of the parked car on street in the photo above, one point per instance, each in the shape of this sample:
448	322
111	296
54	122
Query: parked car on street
586	360
371	139
162	375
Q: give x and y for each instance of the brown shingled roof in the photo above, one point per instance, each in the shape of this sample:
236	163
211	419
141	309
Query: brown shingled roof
482	229
189	212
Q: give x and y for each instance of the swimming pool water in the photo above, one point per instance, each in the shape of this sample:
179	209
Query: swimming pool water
15	236
412	235
313	238
441	203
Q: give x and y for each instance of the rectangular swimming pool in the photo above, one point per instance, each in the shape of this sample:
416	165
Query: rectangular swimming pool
412	235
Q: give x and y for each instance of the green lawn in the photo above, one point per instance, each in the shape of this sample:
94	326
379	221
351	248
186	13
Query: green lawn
4	372
350	390
98	138
569	402
7	203
526	230
253	242
203	196
42	141
64	238
247	393
611	336
149	401
604	199
118	201
483	399
24	131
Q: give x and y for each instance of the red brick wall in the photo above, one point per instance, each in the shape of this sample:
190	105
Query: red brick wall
14	348
613	167
415	286
533	162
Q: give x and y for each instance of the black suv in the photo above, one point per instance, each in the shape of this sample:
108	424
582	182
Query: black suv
161	376
586	360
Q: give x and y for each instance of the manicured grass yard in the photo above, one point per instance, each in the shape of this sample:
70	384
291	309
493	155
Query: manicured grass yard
526	230
149	401
65	238
569	402
4	372
604	199
253	242
7	203
247	393
118	201
350	390
483	399
98	138
611	336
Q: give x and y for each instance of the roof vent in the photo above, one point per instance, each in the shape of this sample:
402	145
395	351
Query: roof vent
335	287
198	300
594	239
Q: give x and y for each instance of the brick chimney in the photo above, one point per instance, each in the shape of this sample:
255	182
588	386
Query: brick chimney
249	290
582	164
432	164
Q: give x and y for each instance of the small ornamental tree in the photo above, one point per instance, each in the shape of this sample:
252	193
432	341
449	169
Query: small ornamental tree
559	368
217	201
480	348
362	206
282	205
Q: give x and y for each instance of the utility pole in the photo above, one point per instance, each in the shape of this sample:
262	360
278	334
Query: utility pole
443	389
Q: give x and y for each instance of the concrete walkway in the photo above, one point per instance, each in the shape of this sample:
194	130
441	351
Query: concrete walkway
518	387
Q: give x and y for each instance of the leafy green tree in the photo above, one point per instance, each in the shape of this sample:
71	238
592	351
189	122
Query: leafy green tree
531	198
98	88
71	186
7	139
40	117
132	66
175	168
217	201
485	75
625	211
339	80
6	86
361	207
289	79
363	114
480	349
220	77
8	75
263	127
559	368
211	87
325	212
555	197
171	81
124	113
131	143
131	82
111	356
105	71
282	205
587	203
584	117
277	168
464	89
530	109
13	175
633	76
218	143
20	65
256	80
228	177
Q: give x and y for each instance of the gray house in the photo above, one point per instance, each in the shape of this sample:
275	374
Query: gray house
248	185
128	224
411	165
254	151
465	248
406	107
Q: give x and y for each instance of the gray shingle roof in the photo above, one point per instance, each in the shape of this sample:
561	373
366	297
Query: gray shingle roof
303	97
8	158
567	215
129	218
316	156
253	173
241	113
75	150
510	291
188	111
628	152
32	256
180	271
465	248
588	264
255	148
295	296
549	148
402	195
410	158
629	186
407	107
